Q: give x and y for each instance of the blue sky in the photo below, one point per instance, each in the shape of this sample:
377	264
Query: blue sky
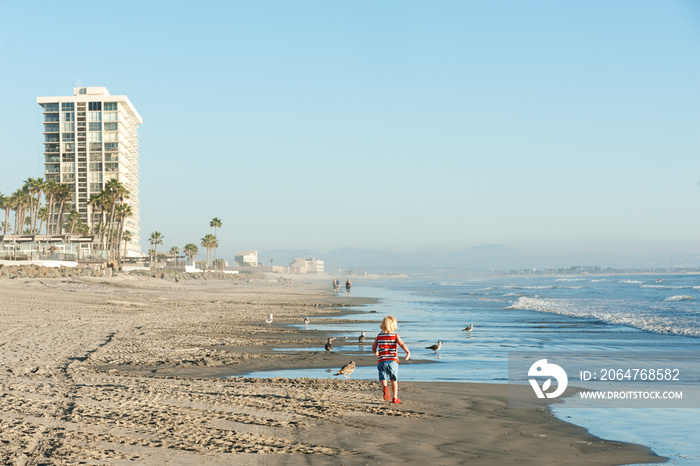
430	126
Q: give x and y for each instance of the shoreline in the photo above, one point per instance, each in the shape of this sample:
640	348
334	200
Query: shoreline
122	369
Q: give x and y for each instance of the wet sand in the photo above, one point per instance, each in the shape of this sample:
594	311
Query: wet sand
128	369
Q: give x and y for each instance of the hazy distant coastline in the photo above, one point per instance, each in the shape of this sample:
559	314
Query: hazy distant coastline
489	259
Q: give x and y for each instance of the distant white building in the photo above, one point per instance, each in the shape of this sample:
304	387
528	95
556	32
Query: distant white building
311	265
247	258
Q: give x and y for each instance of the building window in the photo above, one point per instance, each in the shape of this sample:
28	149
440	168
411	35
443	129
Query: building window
95	187
96	177
69	116
111	116
67	106
95	146
94	106
95	167
111	126
111	157
67	127
69	157
95	126
68	137
51	128
68	167
111	136
51	148
51	117
111	146
50	137
95	137
51	107
94	116
111	106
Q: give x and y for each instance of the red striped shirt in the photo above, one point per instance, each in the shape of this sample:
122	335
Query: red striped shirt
387	344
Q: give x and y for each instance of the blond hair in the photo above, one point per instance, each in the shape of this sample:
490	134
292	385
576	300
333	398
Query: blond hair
389	324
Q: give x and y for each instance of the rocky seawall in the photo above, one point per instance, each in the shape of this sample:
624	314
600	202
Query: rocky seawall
98	270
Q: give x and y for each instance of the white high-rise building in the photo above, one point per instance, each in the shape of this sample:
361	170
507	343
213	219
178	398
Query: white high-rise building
90	138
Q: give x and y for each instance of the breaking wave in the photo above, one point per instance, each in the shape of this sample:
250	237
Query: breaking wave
656	323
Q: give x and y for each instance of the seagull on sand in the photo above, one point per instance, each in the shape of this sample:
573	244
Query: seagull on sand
362	337
435	347
268	321
469	329
329	345
346	370
306	321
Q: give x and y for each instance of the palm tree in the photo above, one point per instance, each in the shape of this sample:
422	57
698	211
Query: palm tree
126	237
175	251
209	242
115	193
191	251
215	223
35	186
156	239
63	196
72	221
43	216
96	205
50	189
6	204
20	201
123	212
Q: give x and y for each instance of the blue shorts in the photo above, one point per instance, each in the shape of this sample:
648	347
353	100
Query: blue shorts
388	370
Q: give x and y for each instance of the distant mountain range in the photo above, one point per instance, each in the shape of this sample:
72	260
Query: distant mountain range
487	258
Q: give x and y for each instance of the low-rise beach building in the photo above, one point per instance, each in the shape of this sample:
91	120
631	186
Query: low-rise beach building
49	247
247	258
311	265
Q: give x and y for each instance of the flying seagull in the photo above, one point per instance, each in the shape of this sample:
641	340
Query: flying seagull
346	370
329	345
268	321
469	329
362	337
435	347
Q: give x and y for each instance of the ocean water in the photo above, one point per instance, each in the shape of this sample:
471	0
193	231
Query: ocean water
548	314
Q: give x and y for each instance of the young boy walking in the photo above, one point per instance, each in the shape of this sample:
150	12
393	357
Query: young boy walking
385	347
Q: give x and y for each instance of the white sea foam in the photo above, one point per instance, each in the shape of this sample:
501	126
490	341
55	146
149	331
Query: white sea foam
647	322
682	297
671	287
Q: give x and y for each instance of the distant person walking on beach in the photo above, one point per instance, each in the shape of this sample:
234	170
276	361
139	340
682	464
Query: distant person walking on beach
385	348
348	285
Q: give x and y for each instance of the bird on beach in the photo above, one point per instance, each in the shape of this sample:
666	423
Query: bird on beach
469	329
435	347
329	345
269	320
306	321
362	337
346	370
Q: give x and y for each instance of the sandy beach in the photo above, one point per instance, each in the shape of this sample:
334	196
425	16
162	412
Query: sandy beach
129	369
